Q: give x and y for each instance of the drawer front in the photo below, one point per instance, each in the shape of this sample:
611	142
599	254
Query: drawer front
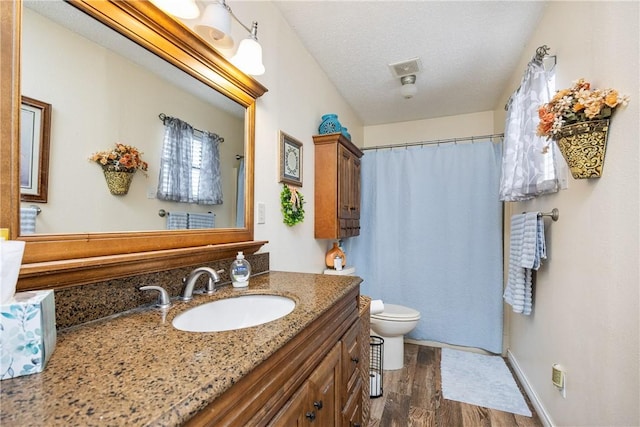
352	413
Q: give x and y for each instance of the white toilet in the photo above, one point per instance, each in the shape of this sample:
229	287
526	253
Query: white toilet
391	325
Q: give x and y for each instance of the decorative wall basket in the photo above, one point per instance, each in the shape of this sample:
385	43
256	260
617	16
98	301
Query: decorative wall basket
118	182
583	146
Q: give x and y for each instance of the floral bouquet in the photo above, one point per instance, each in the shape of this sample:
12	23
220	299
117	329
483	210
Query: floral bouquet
123	158
577	104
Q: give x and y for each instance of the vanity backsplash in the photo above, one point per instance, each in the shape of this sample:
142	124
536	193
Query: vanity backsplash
84	303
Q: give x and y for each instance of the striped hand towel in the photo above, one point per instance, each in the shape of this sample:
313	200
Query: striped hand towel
177	221
28	220
527	251
201	220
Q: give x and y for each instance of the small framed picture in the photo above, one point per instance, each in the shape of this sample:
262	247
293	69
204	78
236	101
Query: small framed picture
290	160
35	130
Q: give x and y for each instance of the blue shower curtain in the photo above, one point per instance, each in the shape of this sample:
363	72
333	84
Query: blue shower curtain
431	239
240	195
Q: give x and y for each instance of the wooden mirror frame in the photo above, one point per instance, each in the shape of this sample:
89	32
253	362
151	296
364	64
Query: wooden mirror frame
60	260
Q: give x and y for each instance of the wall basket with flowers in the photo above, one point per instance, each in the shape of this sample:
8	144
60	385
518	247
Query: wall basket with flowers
578	120
119	166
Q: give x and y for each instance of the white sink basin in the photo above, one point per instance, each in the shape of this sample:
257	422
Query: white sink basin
234	313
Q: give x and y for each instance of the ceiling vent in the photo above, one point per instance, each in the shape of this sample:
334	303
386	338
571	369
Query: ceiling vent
405	68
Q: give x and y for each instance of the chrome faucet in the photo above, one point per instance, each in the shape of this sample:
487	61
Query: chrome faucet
190	281
163	296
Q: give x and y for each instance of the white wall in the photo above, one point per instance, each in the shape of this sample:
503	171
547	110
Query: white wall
299	94
587	293
460	126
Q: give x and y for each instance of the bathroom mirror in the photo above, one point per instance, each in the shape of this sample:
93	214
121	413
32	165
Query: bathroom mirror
116	235
103	89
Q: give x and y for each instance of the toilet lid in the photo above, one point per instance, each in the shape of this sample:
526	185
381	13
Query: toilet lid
397	312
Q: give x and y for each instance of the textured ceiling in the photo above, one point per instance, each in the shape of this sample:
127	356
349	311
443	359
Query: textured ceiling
468	49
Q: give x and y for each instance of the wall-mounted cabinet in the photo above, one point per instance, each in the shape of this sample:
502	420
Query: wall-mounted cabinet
337	187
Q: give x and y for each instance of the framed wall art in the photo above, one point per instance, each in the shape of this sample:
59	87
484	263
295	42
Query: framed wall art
35	131
290	160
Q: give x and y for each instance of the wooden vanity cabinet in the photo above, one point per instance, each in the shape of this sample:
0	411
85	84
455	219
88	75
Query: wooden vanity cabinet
302	383
316	401
337	187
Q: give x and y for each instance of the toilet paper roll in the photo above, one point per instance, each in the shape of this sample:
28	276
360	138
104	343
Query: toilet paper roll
375	384
376	306
10	260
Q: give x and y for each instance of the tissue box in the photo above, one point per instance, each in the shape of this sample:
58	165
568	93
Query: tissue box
27	333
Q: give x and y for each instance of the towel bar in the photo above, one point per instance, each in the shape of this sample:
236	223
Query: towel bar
163	213
554	214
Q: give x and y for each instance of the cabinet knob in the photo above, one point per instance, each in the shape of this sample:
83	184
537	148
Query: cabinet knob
355	359
318	404
311	415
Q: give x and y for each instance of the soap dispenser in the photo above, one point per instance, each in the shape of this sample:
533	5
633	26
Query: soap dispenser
240	271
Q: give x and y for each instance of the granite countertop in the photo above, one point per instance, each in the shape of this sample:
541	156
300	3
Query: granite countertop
137	369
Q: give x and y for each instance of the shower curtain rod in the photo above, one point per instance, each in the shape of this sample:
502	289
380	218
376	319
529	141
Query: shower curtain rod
436	141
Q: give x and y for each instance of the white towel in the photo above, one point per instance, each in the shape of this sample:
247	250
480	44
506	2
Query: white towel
28	220
177	220
515	292
526	253
201	220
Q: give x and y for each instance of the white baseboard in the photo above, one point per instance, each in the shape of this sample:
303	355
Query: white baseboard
544	416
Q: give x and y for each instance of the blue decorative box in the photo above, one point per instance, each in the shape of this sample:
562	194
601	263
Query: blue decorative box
27	333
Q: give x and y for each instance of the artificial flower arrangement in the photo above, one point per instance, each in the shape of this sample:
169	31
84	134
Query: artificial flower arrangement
123	158
577	104
292	202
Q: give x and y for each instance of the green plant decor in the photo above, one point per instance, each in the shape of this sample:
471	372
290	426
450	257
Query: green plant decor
292	202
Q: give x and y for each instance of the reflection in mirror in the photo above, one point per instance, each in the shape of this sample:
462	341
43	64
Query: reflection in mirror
113	91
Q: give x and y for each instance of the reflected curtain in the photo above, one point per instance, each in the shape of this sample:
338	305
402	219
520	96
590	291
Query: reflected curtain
174	182
431	239
210	182
531	166
240	195
189	166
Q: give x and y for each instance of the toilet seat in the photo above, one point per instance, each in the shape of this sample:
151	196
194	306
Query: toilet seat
397	313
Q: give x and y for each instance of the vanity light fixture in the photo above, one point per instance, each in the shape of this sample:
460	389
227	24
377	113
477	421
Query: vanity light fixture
186	9
408	88
249	55
215	25
215	28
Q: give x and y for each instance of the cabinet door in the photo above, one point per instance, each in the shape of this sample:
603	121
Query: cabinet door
355	190
293	413
345	192
324	390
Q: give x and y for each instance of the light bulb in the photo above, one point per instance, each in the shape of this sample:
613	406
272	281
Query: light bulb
185	9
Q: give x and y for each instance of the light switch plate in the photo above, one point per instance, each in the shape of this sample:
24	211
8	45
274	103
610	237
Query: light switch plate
262	213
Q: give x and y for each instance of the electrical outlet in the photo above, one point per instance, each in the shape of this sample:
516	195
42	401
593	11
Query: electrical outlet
559	379
262	213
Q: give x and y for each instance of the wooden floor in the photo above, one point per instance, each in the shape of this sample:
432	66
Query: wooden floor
412	397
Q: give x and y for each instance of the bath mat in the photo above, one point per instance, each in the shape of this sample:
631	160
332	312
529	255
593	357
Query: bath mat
480	380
